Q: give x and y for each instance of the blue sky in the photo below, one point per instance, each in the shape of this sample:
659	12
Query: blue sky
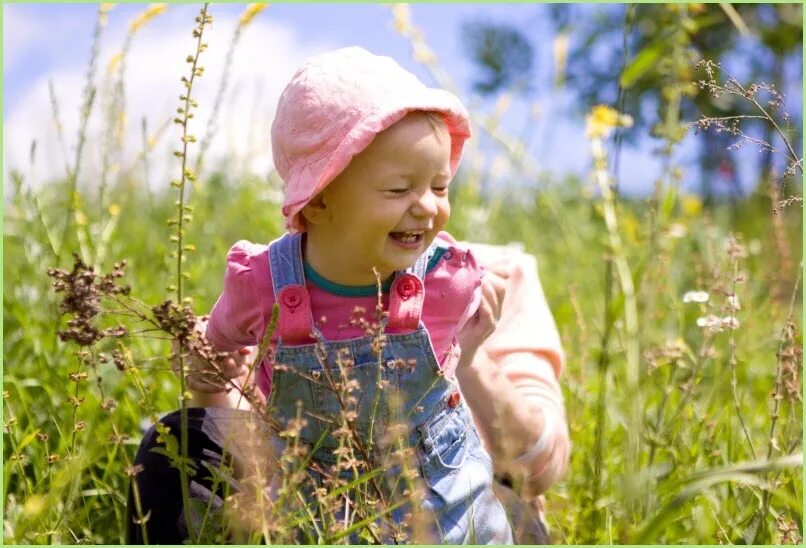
52	42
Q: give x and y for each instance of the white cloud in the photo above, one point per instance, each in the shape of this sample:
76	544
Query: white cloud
264	60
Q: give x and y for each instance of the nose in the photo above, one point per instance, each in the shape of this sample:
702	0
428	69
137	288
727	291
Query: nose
426	205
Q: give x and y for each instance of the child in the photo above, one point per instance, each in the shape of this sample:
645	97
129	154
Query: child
367	153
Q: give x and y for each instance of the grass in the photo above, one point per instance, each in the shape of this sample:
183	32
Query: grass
711	455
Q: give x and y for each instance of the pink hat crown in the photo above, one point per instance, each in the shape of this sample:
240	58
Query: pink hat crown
334	106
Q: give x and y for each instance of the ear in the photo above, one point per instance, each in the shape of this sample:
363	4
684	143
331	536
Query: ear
315	211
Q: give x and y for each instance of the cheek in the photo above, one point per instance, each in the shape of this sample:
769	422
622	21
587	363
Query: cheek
444	212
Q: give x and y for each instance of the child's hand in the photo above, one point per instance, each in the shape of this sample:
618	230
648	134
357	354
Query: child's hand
204	376
481	324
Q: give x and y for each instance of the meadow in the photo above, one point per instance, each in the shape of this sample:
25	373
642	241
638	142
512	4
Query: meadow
681	320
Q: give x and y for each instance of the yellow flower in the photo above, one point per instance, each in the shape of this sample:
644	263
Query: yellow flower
106	7
560	51
422	53
250	12
114	210
402	16
150	13
602	120
691	205
114	61
33	506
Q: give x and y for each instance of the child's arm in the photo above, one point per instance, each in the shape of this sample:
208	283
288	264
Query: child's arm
514	373
217	385
236	321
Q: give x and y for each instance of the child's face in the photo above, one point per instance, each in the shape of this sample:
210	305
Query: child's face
388	205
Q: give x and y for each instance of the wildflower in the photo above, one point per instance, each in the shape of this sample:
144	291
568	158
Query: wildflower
79	376
133	470
423	54
119	360
602	120
250	12
118	438
710	322
402	16
34	505
108	405
560	52
114	210
150	13
733	302
730	322
114	62
54	458
80	426
676	231
691	205
696	297
734	249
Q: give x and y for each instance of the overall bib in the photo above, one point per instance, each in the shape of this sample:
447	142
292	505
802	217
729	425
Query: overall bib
455	467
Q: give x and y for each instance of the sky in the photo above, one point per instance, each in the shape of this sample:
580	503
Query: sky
51	43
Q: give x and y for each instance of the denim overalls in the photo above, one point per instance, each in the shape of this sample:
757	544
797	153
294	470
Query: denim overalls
456	468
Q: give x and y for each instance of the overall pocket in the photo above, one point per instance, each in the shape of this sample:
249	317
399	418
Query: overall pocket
443	451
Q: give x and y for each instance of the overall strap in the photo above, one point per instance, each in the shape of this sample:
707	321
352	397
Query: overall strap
295	324
407	293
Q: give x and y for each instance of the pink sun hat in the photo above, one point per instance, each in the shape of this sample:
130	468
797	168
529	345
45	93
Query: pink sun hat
333	107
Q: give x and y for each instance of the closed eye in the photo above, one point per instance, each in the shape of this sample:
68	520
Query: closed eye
398	191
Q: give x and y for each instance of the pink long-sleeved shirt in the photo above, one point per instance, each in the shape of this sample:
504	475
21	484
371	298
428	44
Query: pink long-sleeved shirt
525	346
241	314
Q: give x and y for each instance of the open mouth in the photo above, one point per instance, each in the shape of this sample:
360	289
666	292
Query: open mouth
407	238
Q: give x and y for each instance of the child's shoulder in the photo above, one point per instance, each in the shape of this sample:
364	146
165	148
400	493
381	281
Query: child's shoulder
452	280
247	268
450	252
245	252
453	263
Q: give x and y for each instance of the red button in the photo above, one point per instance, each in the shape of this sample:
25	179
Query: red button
292	298
406	288
454	399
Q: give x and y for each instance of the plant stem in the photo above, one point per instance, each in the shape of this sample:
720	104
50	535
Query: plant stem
203	20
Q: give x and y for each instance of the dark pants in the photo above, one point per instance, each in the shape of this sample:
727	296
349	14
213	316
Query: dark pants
160	493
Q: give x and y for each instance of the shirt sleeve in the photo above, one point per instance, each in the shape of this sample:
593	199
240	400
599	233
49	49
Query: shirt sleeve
526	348
458	277
238	318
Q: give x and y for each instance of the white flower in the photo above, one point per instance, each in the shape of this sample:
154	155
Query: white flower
676	231
754	247
733	301
730	322
696	297
709	322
